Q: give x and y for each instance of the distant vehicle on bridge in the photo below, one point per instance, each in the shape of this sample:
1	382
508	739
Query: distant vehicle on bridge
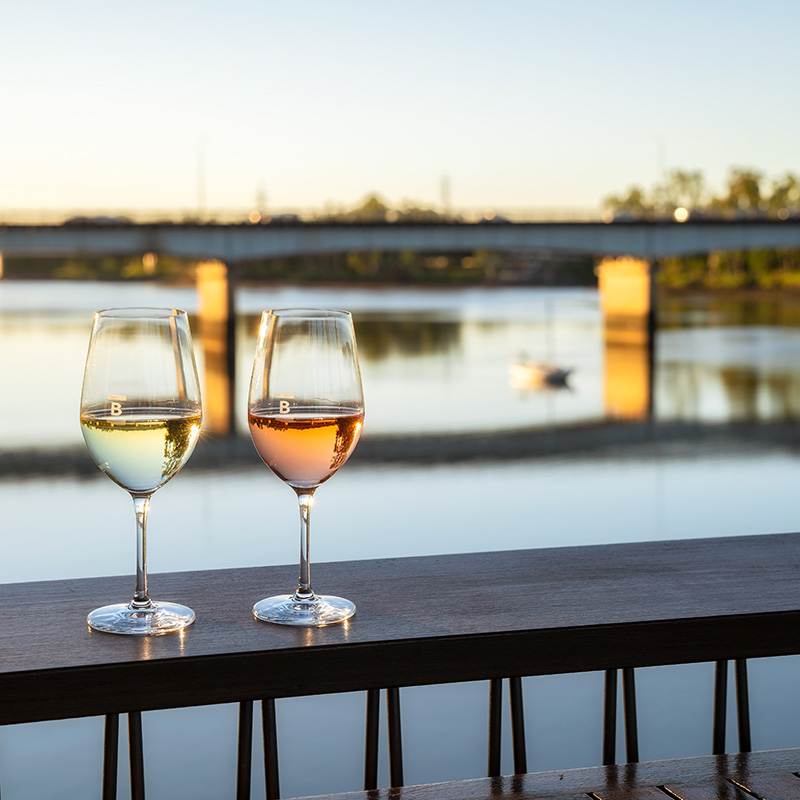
490	217
282	219
701	215
85	222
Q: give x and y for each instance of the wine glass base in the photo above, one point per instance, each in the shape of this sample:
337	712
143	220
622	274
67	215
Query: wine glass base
152	620
322	610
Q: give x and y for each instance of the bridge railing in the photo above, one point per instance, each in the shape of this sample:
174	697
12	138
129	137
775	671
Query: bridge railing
420	621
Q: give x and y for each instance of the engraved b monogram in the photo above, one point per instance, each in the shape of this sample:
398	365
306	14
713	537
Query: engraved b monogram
116	406
283	408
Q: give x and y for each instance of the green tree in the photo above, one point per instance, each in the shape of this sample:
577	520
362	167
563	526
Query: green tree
785	193
635	203
411	212
372	209
744	190
684	188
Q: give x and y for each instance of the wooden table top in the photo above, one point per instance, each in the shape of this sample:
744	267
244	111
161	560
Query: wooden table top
423	620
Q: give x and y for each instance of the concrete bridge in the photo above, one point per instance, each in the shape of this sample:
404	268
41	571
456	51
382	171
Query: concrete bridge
625	276
236	243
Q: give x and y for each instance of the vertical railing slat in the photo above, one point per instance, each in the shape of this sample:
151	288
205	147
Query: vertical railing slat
395	736
629	707
110	756
244	763
518	725
742	705
495	726
136	750
269	726
610	718
371	739
720	707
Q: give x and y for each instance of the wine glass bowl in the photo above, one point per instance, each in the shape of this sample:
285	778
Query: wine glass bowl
140	417
305	413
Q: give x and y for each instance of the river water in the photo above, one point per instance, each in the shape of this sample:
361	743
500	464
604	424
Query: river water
434	362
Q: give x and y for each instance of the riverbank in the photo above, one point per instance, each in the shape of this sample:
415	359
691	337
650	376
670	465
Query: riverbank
745	293
601	440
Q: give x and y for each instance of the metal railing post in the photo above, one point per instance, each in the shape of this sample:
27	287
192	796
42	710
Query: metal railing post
495	726
244	759
110	757
395	736
518	725
371	739
270	730
629	705
610	718
720	707
742	705
136	750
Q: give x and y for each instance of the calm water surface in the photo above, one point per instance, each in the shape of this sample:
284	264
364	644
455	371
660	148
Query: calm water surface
434	361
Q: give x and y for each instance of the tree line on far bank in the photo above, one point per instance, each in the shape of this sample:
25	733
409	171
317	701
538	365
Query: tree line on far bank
747	194
374	267
403	267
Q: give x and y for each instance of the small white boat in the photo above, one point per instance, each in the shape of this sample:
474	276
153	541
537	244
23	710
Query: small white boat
525	374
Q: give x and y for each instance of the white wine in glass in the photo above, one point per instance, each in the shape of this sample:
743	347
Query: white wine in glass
140	418
306	411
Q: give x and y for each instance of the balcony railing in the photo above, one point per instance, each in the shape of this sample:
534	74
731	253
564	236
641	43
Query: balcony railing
426	620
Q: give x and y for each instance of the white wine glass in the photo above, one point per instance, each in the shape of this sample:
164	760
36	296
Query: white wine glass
140	418
305	411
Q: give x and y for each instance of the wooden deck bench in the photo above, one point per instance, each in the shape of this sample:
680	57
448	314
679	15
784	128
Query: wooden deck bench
741	776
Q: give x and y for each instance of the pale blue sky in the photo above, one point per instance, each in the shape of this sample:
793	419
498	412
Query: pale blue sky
518	103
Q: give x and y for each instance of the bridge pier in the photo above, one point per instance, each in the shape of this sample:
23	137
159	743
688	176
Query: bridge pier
217	336
627	299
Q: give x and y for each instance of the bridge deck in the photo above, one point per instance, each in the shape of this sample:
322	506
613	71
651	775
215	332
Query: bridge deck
235	243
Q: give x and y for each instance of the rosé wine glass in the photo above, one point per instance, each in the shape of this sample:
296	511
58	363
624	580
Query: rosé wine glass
306	412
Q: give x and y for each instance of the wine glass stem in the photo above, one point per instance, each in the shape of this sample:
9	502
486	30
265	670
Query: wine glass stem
141	505
304	590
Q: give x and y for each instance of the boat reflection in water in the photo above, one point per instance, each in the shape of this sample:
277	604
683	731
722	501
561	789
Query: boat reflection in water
526	374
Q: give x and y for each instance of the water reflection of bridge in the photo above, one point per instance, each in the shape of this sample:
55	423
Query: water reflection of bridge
645	439
627	299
